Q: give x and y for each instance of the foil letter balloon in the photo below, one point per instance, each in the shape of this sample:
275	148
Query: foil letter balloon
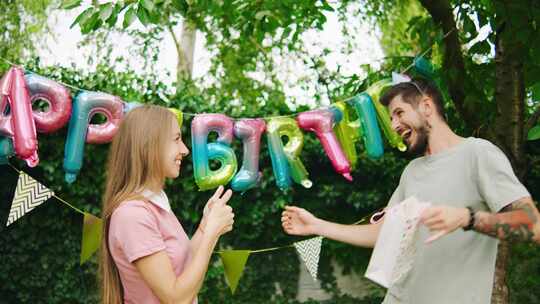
19	124
375	92
250	132
424	67
347	132
368	122
6	150
179	116
56	96
321	122
128	106
203	152
85	105
286	162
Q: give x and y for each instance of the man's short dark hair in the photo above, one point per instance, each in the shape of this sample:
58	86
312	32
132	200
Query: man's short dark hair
411	91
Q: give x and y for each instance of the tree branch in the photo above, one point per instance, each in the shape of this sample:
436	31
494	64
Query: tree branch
442	13
532	121
176	42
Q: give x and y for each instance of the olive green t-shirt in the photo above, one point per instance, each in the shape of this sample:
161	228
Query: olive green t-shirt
459	267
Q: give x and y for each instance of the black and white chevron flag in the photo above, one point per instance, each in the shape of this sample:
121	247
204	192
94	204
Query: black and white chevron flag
28	195
310	250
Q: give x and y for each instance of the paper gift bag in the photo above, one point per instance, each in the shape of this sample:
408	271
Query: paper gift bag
394	251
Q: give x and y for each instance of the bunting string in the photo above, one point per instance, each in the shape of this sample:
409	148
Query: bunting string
30	194
54	195
361	221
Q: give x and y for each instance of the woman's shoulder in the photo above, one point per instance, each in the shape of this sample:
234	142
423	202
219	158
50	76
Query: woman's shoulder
132	208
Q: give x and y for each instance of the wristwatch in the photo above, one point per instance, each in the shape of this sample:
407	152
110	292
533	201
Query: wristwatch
470	225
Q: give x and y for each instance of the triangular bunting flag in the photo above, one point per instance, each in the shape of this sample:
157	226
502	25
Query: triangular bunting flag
28	195
234	262
399	78
310	250
91	236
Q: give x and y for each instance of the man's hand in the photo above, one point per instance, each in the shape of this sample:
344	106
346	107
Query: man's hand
442	220
298	221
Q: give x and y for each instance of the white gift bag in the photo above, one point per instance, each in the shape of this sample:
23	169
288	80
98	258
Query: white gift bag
394	251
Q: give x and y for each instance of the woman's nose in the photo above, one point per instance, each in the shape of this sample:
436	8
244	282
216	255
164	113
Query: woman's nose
184	150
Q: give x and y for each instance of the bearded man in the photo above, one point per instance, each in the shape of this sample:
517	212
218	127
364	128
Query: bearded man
476	199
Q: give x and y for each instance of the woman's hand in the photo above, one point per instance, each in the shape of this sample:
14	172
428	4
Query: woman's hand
218	217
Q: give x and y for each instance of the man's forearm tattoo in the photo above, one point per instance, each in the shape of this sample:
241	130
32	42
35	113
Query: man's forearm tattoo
514	223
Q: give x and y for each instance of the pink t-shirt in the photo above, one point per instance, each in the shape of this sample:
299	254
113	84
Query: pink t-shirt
139	229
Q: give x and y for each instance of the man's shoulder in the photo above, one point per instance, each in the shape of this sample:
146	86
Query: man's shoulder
479	142
481	145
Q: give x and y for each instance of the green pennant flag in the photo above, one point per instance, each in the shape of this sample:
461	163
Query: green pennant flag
234	262
91	237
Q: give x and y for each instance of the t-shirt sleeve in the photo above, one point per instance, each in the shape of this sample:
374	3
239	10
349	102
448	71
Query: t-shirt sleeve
497	182
396	197
136	231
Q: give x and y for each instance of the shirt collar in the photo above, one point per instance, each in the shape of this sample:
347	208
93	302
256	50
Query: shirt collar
159	199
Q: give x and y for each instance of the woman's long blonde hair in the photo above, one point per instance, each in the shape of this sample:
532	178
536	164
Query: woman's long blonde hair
135	161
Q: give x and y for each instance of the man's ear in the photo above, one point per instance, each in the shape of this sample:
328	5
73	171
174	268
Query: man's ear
426	106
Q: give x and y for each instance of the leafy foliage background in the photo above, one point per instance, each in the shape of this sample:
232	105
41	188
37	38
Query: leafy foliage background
40	252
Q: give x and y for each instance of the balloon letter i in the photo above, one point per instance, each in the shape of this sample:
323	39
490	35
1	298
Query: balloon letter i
249	131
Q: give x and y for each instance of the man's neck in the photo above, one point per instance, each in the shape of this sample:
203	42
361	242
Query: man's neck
441	138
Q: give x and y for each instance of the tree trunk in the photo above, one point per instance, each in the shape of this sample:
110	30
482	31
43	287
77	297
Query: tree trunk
185	50
507	132
188	47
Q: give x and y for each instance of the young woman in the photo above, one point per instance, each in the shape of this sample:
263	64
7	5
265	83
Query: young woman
146	257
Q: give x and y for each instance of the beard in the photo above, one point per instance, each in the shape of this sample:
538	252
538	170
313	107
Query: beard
419	147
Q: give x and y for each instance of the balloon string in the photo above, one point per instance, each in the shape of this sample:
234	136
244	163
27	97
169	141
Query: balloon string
424	53
346	99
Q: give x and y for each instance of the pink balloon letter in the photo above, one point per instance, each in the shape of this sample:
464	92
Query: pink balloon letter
19	123
322	122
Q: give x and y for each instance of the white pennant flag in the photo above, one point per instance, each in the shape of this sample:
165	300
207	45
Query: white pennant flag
399	78
310	250
28	195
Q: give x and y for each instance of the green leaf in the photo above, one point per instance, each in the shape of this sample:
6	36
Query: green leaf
261	14
482	47
535	90
148	5
468	24
90	24
534	133
142	14
69	4
129	16
105	11
114	16
83	16
326	6
181	5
